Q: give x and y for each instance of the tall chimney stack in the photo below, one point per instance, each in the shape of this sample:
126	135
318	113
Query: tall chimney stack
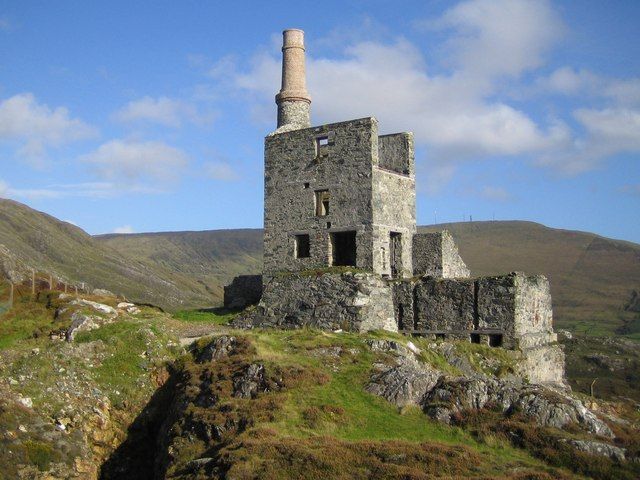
293	100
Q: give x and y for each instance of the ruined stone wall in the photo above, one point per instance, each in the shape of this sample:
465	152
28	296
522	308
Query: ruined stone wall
394	202
394	210
354	302
243	291
452	264
427	254
516	306
396	153
295	167
436	254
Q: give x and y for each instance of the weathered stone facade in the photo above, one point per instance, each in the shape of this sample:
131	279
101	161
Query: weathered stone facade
332	301
436	254
243	291
324	186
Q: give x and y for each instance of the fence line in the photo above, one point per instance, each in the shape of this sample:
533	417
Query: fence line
37	283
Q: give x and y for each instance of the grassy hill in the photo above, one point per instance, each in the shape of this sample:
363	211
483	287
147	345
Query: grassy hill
33	240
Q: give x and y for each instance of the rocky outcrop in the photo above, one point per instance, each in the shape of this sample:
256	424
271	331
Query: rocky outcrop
599	448
250	382
442	396
546	407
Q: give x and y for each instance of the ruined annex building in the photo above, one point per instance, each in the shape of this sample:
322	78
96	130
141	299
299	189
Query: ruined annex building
341	249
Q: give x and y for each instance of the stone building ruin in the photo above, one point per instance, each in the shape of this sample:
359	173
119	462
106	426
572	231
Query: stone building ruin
341	249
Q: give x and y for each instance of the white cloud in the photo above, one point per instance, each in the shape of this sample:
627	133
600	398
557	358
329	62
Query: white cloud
457	114
162	110
128	162
570	81
501	37
123	229
35	126
220	171
78	190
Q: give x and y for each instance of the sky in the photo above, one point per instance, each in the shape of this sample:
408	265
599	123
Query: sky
142	116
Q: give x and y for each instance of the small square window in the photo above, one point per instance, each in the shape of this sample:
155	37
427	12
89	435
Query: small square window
302	246
475	338
328	224
322	146
322	203
306	185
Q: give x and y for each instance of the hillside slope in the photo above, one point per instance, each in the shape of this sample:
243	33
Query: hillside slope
31	239
211	258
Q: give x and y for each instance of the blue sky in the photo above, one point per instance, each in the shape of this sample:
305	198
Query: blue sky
150	116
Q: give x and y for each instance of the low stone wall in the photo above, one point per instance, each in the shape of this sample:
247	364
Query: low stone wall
354	302
243	291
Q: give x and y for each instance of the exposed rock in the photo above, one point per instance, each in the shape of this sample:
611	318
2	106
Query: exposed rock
243	291
600	448
103	293
81	322
544	406
386	346
404	384
218	348
250	382
99	307
564	334
128	307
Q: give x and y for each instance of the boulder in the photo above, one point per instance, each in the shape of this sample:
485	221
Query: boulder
600	448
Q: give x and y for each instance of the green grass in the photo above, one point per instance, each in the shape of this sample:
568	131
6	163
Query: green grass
26	320
130	343
361	416
324	404
215	316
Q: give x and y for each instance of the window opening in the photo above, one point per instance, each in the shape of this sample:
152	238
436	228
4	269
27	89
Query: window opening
495	340
475	338
302	246
322	203
322	145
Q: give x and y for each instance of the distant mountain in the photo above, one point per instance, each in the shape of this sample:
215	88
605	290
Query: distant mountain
212	258
33	240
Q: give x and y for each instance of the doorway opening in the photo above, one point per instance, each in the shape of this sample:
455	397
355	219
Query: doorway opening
395	254
343	249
